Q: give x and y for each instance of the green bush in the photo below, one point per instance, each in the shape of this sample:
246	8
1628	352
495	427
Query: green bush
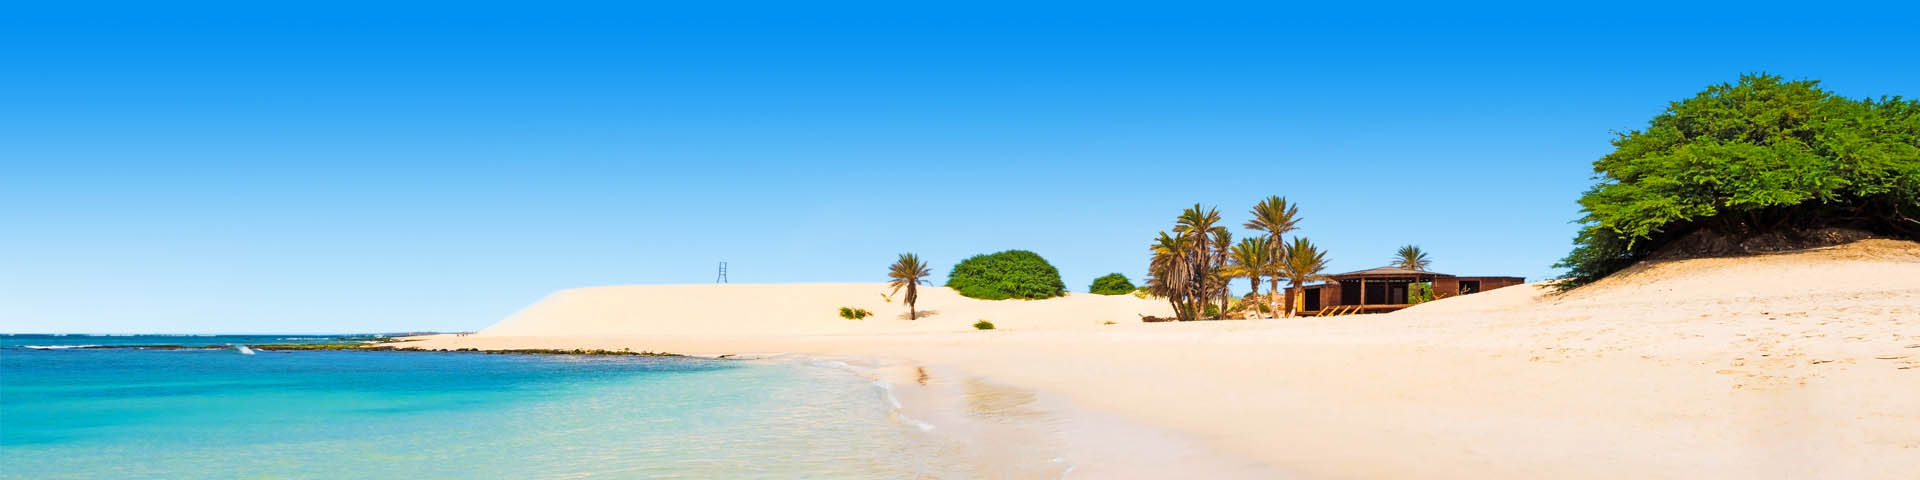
1418	293
851	313
1004	275
1111	284
1763	156
983	325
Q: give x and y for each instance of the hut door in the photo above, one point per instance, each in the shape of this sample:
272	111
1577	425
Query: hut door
1312	300
1469	286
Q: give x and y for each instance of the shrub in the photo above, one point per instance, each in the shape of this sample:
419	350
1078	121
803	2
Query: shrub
1418	293
851	313
983	325
1761	157
1111	284
1004	275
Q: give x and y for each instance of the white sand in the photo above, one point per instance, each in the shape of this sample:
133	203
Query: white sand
1802	365
800	309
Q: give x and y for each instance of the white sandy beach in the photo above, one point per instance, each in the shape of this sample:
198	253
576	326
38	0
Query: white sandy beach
1803	365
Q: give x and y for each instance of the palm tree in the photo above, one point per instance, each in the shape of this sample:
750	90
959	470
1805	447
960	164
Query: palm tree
1170	274
1206	244
1411	257
1222	241
1276	217
1250	259
1275	271
1303	262
908	272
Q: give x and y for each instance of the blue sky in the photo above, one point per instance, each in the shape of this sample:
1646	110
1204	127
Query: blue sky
351	167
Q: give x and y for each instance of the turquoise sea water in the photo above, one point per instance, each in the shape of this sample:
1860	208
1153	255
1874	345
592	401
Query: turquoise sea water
145	413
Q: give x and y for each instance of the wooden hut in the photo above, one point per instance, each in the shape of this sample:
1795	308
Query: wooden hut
1385	289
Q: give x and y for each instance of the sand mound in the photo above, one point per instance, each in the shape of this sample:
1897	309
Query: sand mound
1860	268
1517	296
807	308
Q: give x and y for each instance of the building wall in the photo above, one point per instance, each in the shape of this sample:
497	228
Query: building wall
1329	295
1490	283
1444	286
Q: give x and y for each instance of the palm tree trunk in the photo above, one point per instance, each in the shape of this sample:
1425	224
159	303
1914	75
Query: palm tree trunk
1273	284
1253	282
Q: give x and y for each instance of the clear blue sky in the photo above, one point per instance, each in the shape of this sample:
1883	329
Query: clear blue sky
347	166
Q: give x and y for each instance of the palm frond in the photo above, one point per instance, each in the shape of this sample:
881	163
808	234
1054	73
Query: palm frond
1412	258
1274	216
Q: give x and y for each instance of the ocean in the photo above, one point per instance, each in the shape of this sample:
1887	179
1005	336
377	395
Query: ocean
130	412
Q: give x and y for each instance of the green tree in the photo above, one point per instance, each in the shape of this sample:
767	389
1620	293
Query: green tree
1111	284
1757	157
908	272
1251	259
1004	275
1170	274
1411	257
1276	217
1206	239
1218	281
1303	262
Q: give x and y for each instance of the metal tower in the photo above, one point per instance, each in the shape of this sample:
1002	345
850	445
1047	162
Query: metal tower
723	274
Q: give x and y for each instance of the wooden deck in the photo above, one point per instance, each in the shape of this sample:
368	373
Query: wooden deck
1337	310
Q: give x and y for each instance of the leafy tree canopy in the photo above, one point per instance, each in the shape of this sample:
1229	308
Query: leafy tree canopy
1761	156
1004	275
1111	284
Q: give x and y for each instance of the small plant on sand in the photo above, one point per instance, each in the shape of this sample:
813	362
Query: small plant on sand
1108	322
983	325
851	313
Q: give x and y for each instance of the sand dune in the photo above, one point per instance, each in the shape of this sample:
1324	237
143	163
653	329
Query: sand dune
1802	365
805	308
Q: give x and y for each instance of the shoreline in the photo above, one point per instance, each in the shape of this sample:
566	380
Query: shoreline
1006	431
1364	409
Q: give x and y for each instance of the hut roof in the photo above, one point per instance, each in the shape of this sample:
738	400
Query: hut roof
1388	272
